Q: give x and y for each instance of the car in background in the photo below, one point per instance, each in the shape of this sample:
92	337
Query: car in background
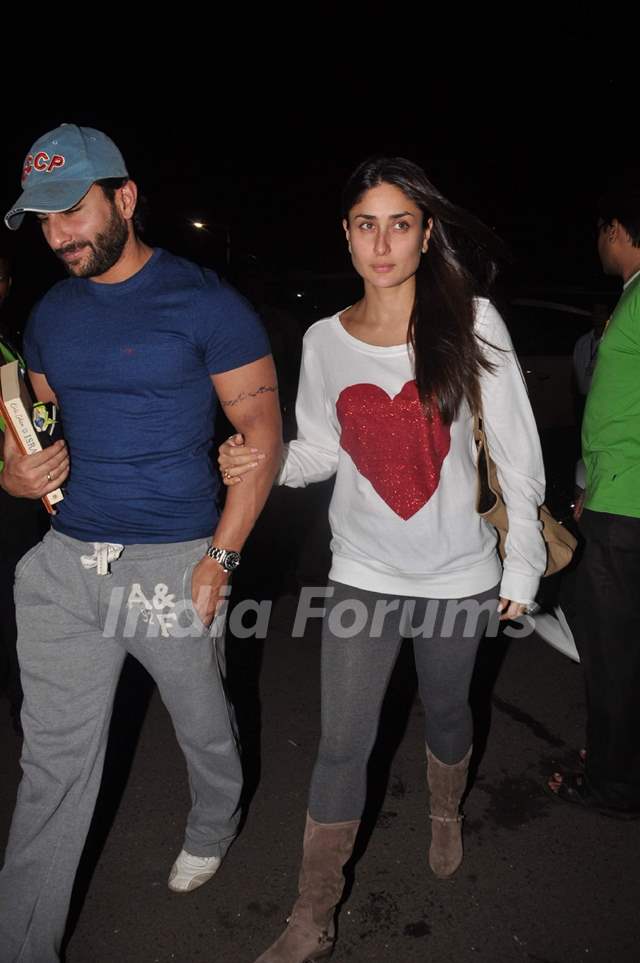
544	334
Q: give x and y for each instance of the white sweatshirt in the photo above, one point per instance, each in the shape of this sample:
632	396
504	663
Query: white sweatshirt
403	515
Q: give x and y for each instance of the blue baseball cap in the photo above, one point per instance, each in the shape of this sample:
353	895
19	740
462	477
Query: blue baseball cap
61	167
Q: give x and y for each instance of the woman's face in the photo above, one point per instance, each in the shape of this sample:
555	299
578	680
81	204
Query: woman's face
386	236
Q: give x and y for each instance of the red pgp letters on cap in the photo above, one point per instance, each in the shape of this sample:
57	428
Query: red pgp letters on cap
42	163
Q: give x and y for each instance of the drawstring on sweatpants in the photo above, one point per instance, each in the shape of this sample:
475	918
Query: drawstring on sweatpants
103	554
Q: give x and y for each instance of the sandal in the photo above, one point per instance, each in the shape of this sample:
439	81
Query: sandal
572	788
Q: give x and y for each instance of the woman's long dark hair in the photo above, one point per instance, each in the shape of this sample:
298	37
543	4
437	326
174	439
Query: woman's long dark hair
459	265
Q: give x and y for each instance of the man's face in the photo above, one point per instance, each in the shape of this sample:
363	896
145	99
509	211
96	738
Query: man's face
90	237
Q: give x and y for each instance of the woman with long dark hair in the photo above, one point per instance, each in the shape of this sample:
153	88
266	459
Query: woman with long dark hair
387	392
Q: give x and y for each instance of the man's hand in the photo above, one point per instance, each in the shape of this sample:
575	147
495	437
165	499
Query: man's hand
207	584
32	476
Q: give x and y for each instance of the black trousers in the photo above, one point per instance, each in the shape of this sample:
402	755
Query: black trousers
608	640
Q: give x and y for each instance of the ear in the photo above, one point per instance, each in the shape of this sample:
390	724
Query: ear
126	199
426	235
620	233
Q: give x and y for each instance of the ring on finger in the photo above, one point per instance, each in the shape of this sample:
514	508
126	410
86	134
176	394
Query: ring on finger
226	473
49	476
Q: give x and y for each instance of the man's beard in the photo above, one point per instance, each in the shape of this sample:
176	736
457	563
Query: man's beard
106	249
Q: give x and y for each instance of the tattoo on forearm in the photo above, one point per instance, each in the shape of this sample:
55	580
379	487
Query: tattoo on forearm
262	390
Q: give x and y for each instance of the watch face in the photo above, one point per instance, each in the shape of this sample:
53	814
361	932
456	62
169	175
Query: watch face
232	561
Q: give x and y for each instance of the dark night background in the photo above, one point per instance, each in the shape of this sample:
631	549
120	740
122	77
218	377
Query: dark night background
522	122
525	133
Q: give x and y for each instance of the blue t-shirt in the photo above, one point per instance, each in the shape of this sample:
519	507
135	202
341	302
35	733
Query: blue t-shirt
130	366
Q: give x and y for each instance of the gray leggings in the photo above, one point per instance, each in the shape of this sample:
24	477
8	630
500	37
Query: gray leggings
361	638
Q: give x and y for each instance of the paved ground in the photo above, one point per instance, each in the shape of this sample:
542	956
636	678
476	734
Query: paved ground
540	882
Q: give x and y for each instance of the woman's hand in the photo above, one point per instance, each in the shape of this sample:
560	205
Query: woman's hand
235	459
511	610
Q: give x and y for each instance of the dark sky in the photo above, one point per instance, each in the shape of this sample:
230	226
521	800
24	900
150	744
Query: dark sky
526	140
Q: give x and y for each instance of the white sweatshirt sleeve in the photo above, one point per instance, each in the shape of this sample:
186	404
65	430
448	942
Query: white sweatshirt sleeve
513	442
313	456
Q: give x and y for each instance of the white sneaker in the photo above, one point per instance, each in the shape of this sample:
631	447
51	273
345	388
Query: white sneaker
188	872
554	629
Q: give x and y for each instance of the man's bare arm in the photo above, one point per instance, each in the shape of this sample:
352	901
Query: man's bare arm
249	397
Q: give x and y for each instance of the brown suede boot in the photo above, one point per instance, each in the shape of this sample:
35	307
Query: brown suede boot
447	784
310	932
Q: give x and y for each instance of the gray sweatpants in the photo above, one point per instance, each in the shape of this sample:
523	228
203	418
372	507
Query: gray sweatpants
357	661
75	628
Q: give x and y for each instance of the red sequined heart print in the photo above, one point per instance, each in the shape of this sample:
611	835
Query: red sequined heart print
393	444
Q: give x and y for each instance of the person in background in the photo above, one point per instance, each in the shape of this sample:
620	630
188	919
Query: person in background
585	350
607	624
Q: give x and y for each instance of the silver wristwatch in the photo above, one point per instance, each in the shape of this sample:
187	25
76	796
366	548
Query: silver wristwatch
229	560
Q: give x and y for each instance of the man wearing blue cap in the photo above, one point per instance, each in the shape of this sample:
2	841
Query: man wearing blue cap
136	346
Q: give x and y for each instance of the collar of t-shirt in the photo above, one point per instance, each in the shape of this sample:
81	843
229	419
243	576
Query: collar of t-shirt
143	276
631	280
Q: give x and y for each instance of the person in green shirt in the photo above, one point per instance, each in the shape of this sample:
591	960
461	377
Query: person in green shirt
607	628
